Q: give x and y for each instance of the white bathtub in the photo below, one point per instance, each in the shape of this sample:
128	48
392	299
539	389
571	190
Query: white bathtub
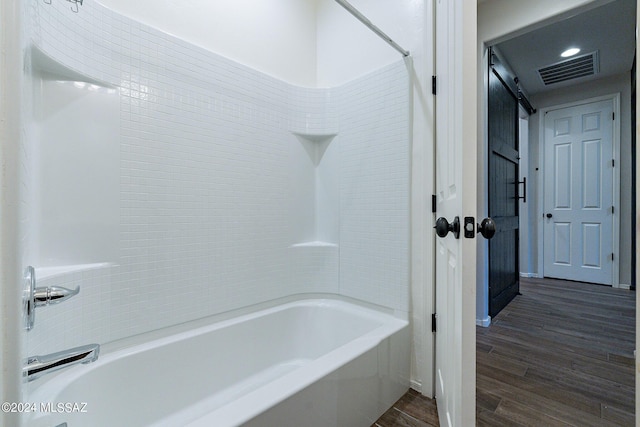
313	362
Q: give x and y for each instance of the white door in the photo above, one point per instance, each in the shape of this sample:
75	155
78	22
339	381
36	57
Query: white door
578	193
456	152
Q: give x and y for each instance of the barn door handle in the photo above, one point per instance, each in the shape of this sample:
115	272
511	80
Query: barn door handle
487	228
443	227
524	193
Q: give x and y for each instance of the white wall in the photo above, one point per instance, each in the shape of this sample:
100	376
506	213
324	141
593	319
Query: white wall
277	37
348	49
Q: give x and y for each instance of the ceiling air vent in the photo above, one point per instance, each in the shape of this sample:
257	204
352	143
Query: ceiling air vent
580	66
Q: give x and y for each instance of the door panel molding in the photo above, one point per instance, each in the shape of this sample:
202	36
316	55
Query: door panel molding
615	98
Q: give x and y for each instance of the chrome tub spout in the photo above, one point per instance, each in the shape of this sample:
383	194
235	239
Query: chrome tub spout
37	366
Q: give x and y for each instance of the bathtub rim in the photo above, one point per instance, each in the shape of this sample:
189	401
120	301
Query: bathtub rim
143	342
206	321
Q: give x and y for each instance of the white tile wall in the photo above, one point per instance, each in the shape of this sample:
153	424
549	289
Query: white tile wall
374	187
205	179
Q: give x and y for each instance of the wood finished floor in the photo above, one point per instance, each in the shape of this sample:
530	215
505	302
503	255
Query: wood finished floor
560	354
412	410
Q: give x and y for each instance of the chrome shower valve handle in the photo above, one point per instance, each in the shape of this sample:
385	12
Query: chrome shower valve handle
53	295
39	297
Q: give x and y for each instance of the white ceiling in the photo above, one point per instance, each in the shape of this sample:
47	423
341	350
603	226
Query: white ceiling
610	29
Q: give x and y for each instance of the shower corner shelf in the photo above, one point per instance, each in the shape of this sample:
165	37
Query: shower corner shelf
315	143
315	136
49	68
314	244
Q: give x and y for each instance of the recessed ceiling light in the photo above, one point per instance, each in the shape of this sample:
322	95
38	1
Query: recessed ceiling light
570	52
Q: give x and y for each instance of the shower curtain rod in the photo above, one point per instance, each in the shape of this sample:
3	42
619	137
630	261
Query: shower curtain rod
352	10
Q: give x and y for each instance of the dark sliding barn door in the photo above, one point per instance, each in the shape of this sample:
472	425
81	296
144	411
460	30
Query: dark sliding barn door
504	277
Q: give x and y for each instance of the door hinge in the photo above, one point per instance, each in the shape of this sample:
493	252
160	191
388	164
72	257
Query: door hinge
613	116
433	85
612	209
613	163
612	257
434	318
434	203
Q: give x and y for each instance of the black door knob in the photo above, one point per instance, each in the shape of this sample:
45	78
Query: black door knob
487	228
549	215
443	227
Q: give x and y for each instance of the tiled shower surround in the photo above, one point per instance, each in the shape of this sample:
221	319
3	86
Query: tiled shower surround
235	188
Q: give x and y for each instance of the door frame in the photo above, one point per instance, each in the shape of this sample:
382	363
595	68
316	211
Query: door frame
615	98
11	159
498	21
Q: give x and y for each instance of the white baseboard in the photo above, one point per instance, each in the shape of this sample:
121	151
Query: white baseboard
484	322
416	385
529	275
624	286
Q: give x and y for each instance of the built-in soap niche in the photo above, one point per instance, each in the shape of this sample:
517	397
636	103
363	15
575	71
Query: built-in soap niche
74	170
315	186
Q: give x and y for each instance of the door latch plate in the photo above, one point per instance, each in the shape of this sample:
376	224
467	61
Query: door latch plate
469	227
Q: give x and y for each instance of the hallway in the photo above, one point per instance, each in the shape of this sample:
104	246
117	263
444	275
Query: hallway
559	354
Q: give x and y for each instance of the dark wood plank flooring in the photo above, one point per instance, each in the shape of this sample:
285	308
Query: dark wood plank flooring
412	410
560	354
